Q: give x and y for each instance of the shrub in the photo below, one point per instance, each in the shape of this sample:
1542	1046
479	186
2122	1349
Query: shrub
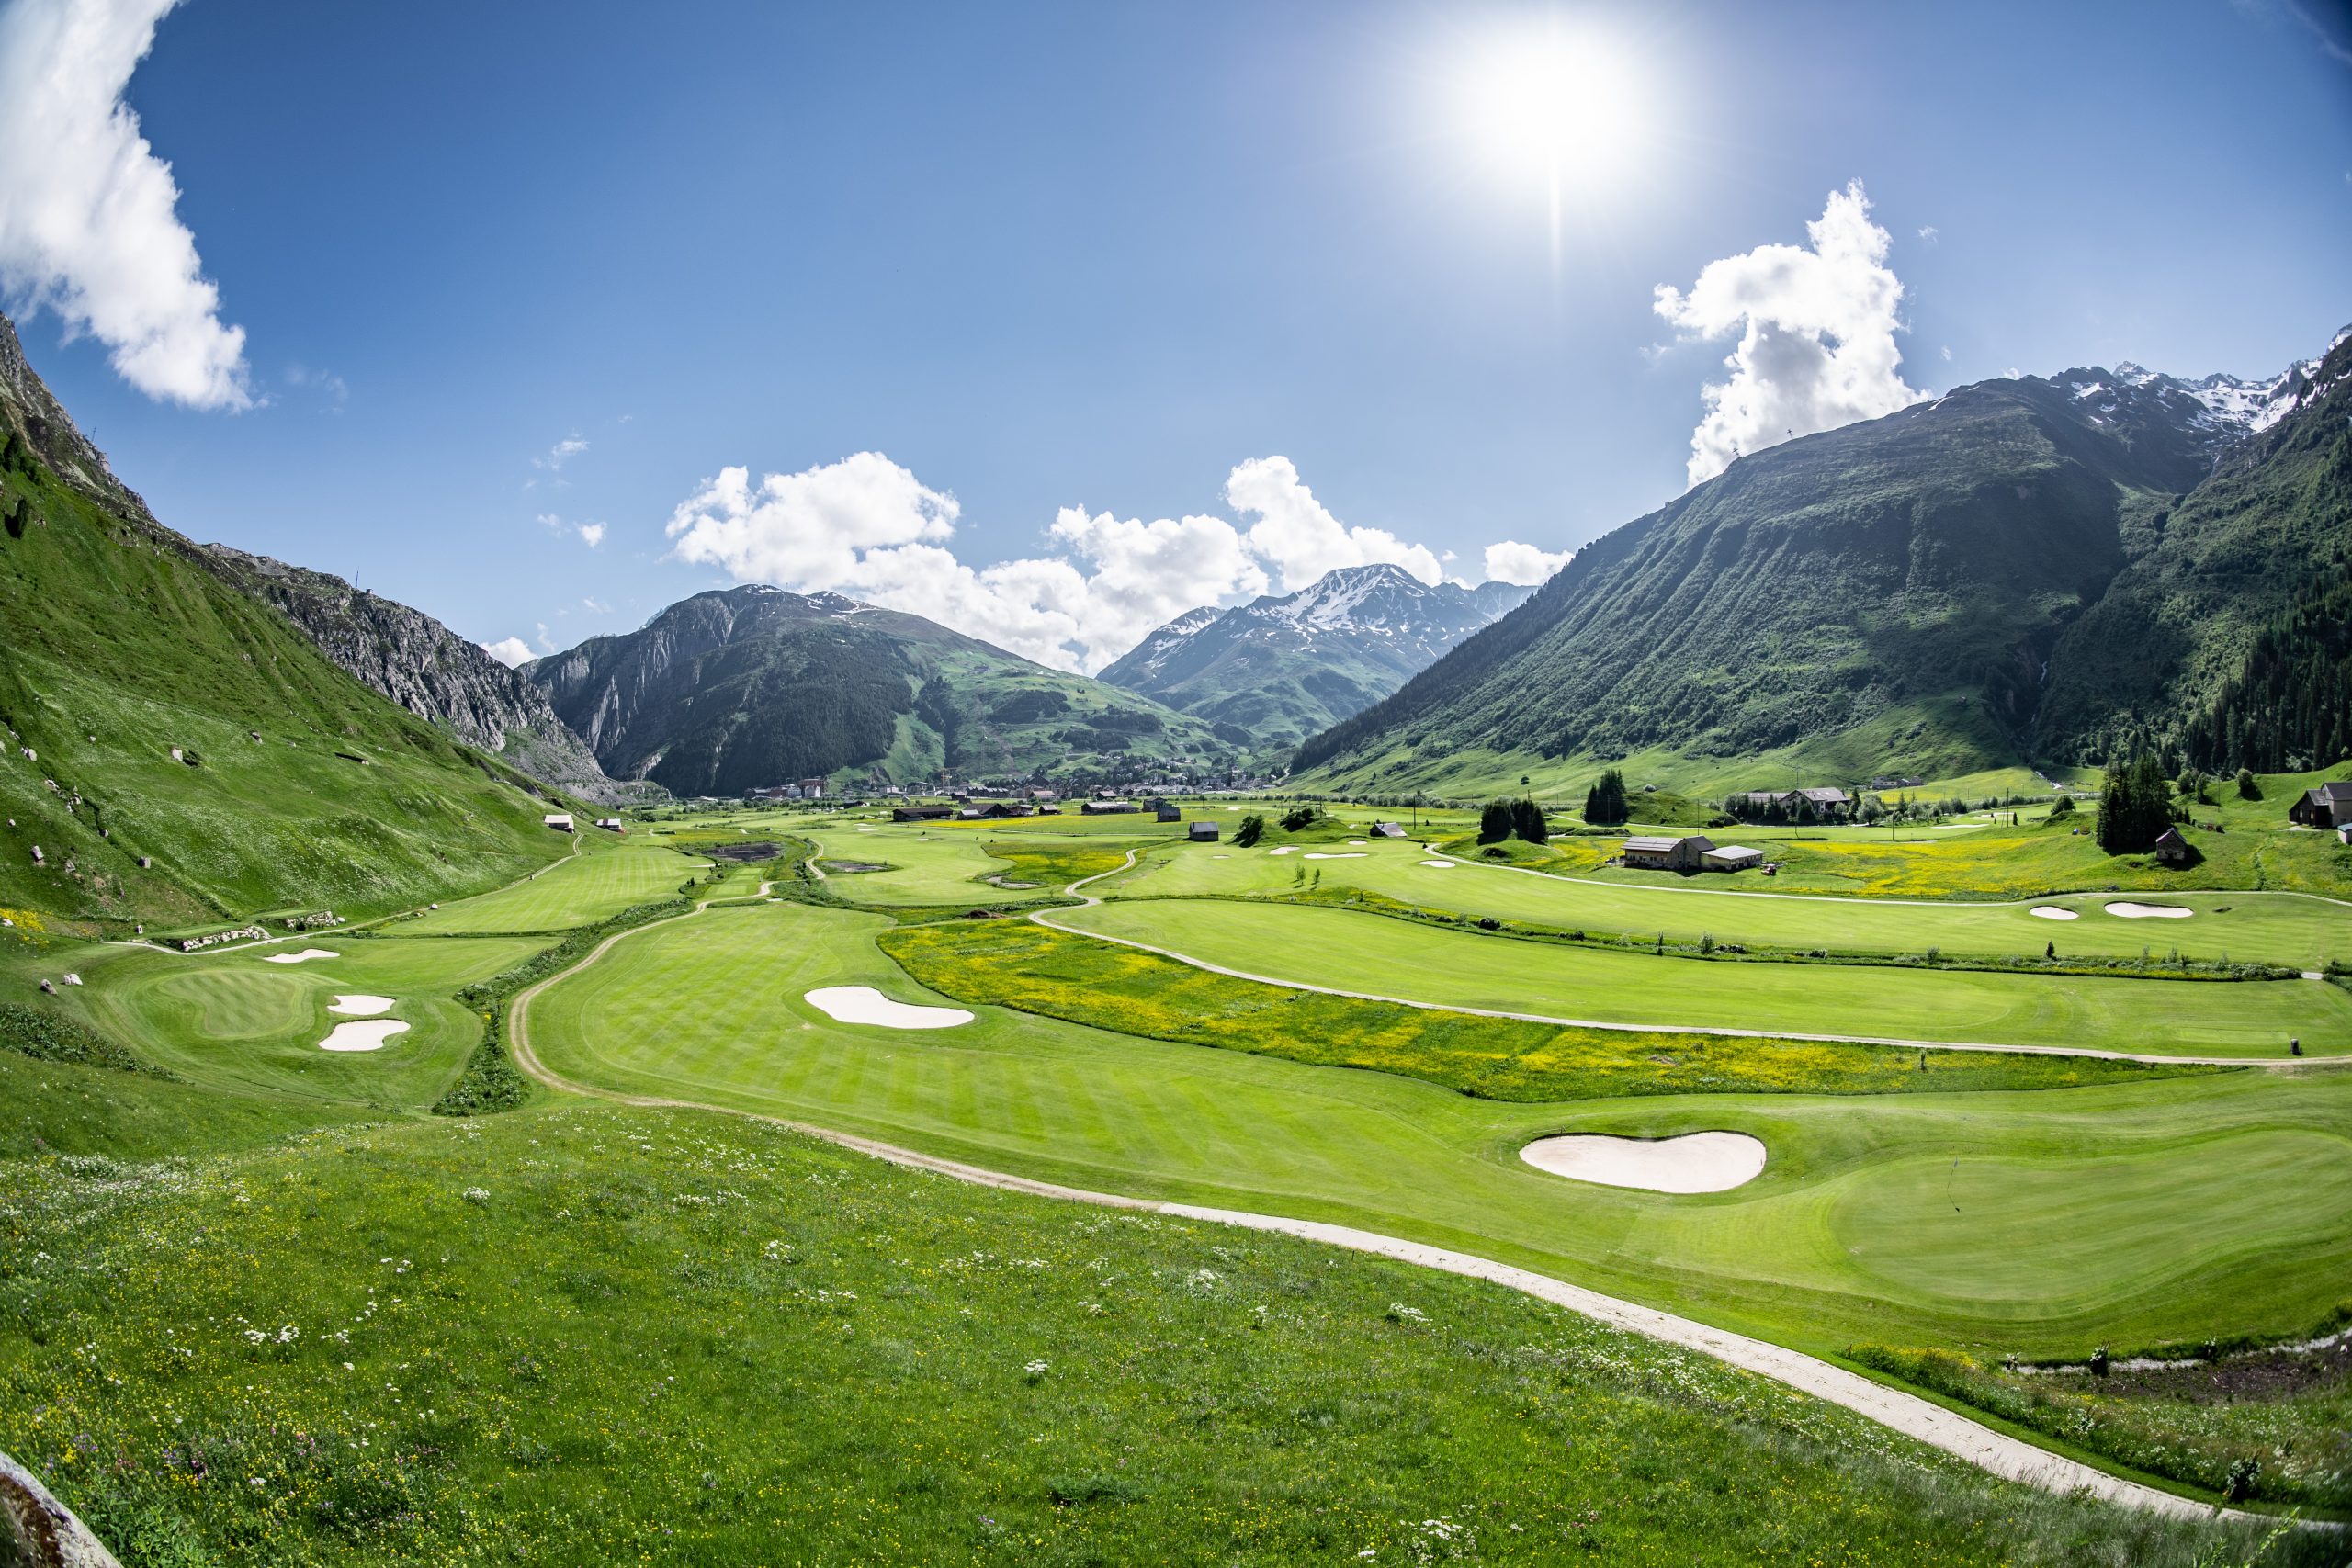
2247	789
2240	1483
1299	817
2065	807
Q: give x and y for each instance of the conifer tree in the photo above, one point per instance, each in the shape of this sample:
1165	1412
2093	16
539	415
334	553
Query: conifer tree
1495	822
1527	821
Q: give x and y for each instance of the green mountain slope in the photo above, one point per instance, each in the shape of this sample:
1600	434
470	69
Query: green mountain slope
295	785
1273	671
1930	593
748	687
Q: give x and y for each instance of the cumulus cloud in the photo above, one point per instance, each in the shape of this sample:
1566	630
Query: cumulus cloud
592	533
1512	561
509	650
89	225
867	527
1299	538
1817	347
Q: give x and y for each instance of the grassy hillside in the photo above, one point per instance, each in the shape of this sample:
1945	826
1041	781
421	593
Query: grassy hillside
296	786
2036	571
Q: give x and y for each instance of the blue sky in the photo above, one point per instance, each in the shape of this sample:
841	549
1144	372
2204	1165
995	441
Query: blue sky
1264	273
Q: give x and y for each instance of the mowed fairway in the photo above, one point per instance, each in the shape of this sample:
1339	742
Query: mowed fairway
594	885
2038	1222
1376	955
235	1020
924	868
2296	929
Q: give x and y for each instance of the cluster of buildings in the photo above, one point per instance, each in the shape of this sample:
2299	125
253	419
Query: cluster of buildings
1686	853
806	789
1822	805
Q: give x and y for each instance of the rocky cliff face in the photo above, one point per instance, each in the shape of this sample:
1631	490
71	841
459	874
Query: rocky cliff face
427	669
50	430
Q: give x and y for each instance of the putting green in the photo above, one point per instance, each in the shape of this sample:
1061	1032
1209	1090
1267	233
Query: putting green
231	1020
596	883
1307	945
1925	1219
925	866
2295	929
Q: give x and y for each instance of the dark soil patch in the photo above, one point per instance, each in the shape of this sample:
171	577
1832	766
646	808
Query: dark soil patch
756	850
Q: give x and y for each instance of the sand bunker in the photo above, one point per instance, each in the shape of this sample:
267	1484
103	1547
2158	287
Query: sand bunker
308	953
1341	855
367	1036
1282	849
1695	1162
360	1006
1441	864
2052	912
2150	911
864	1004
1357	844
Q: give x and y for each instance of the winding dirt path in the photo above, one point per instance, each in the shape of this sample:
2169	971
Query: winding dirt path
1955	1434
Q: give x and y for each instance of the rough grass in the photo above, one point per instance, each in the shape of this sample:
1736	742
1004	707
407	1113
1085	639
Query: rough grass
1021	965
589	1335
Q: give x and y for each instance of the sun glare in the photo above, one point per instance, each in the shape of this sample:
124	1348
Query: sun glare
1557	113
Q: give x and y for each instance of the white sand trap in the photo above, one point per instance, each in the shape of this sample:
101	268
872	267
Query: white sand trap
1283	850
367	1036
1695	1162
303	956
864	1004
1440	865
1357	844
2150	911
1341	855
362	1006
2052	912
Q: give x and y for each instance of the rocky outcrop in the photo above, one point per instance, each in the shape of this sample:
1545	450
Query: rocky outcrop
39	1532
427	669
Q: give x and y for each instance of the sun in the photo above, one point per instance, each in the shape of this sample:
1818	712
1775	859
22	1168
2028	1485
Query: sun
1555	108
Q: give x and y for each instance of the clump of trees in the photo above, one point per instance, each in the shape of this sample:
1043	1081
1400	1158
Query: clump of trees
1297	817
1521	818
1605	803
2134	805
2247	789
1249	829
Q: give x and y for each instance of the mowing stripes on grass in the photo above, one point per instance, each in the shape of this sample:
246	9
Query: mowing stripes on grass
593	886
1019	963
2088	1214
1369	954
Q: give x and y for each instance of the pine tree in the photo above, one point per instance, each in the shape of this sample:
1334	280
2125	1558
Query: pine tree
2134	805
1527	821
1495	822
1605	803
15	456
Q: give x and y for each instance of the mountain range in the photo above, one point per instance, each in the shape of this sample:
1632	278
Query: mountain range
1269	673
745	687
2037	570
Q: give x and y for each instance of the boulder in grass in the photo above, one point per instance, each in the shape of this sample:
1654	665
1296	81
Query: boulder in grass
41	1531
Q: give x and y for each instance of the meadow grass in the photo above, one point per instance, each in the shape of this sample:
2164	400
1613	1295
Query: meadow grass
1035	968
925	868
598	883
588	1335
1903	1217
2299	932
1310	944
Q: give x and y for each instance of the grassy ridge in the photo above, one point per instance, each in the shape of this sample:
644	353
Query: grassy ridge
1025	966
585	1335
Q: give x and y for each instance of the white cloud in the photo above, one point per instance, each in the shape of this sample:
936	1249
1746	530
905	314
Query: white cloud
600	608
1817	328
1298	536
562	452
1930	233
1947	354
1512	561
509	650
869	528
88	220
546	644
593	533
